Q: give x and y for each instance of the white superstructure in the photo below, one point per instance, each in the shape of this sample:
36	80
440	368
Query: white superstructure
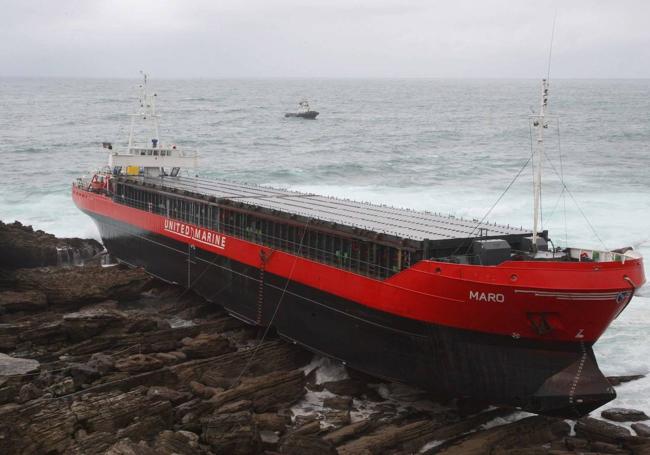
150	158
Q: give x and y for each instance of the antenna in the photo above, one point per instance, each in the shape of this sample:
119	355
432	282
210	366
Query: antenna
539	122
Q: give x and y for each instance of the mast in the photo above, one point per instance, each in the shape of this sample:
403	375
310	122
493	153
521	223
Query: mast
540	123
147	110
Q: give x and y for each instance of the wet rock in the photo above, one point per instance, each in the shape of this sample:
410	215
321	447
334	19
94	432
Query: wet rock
177	442
27	301
115	410
235	406
90	322
98	442
624	415
309	428
347	432
202	391
231	433
73	287
103	363
342	403
531	431
266	392
598	430
641	429
28	392
128	447
336	418
144	324
14	365
346	387
296	444
165	393
82	373
205	345
138	363
389	437
271	421
576	444
269	438
21	247
61	388
605	447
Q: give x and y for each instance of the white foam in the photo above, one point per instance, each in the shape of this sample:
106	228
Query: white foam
624	350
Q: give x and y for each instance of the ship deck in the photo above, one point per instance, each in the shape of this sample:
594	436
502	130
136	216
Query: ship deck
399	222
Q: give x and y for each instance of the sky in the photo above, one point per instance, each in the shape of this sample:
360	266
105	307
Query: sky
324	38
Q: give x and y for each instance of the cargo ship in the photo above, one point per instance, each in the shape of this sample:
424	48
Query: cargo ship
461	308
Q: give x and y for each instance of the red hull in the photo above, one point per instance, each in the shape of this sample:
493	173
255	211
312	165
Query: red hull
550	301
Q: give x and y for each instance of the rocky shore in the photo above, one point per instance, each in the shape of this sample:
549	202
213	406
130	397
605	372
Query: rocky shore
97	359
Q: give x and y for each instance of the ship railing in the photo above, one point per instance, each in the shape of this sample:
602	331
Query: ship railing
336	258
82	183
588	255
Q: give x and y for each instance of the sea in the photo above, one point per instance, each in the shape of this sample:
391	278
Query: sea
449	146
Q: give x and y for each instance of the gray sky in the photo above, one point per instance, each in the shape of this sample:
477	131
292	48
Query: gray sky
324	38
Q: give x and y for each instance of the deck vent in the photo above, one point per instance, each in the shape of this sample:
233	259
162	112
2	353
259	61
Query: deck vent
491	252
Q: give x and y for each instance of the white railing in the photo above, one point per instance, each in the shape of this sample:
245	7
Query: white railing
583	254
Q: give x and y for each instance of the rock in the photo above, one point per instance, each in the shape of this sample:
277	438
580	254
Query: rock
28	392
138	363
21	247
342	403
127	447
270	356
143	324
231	433
201	390
73	287
641	429
204	345
11	301
347	432
347	387
269	438
234	406
177	442
97	442
89	322
531	431
295	444
598	430
101	362
310	428
576	444
115	410
271	421
14	365
624	415
267	392
605	447
28	429
165	393
82	373
61	388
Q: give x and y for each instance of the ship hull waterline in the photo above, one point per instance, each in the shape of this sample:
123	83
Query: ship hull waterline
540	376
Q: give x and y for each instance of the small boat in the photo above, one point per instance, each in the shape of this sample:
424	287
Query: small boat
304	111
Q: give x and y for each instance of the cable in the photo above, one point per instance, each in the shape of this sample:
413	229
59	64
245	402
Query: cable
493	205
577	205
